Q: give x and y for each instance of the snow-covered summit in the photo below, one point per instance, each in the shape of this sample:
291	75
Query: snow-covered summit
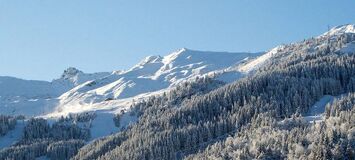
71	72
342	29
72	77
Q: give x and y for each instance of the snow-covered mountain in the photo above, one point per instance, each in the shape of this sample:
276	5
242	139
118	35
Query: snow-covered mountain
28	97
76	91
108	93
105	98
152	74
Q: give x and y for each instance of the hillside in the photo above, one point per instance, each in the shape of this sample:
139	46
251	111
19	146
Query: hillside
272	104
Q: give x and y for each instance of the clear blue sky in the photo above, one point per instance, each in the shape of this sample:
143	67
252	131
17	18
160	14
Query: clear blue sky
40	38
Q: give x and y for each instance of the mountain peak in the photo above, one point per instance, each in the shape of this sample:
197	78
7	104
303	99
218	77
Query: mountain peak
183	49
150	59
70	72
174	55
342	29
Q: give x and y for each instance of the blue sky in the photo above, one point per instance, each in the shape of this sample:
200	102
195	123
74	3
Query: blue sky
40	38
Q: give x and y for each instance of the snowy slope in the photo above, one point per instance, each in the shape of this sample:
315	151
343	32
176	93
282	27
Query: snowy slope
28	97
10	86
261	60
31	97
154	73
317	110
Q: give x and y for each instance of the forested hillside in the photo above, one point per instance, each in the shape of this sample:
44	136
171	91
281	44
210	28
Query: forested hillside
293	138
230	122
